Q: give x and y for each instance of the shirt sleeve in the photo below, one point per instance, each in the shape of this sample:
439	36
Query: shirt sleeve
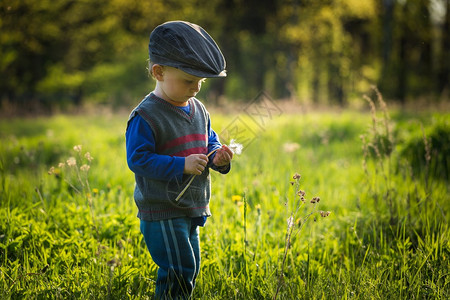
142	158
213	144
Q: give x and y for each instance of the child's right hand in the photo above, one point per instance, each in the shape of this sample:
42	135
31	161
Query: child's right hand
195	164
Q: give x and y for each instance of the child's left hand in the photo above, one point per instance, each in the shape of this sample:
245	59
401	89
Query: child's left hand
223	156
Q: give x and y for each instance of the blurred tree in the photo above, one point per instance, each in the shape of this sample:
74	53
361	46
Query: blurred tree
444	61
328	51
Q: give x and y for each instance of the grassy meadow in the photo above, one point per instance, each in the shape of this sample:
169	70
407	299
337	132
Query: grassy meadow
69	228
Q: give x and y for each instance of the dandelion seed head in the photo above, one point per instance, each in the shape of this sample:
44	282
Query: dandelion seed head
235	147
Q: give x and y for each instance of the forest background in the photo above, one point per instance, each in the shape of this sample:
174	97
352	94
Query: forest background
60	54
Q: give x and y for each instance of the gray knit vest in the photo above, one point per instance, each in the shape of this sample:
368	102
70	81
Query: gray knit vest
176	134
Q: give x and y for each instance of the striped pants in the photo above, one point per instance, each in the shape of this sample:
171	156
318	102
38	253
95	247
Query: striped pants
174	246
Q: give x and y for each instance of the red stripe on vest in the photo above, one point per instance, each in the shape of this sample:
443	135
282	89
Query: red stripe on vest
183	140
187	152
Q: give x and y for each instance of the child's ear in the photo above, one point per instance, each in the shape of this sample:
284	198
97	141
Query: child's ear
158	72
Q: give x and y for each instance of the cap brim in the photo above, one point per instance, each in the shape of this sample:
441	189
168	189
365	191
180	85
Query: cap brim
203	74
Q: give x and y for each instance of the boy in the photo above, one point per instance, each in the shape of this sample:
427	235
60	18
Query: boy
168	140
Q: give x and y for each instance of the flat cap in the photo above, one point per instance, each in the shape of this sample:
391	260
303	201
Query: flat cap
187	47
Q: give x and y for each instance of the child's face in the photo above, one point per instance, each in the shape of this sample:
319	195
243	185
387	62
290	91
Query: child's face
179	86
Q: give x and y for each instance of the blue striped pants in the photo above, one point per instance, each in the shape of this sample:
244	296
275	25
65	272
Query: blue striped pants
174	246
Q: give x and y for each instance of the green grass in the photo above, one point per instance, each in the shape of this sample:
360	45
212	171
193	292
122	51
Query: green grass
387	236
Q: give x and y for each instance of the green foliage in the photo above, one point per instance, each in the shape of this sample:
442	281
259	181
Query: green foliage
61	53
428	152
73	234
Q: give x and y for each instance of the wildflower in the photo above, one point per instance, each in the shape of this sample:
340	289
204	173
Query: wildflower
77	148
296	176
315	200
301	193
51	171
324	214
71	162
235	147
88	156
236	198
95	191
290	147
61	165
85	168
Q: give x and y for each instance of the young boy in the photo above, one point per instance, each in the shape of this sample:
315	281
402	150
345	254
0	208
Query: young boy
168	140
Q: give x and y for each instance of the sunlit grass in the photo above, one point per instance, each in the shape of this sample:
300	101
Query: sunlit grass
60	242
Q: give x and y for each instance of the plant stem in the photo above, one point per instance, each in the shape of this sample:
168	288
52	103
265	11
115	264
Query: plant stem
192	179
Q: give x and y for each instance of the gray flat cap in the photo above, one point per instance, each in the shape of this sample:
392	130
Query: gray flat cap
187	47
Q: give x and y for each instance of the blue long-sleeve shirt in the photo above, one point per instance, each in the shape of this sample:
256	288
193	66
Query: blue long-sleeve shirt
144	161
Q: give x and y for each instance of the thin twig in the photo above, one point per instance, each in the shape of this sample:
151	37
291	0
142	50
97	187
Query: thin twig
192	179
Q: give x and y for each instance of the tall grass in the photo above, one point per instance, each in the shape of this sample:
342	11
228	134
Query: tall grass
73	234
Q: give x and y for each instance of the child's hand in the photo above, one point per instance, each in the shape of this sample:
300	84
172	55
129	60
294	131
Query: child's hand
223	156
195	164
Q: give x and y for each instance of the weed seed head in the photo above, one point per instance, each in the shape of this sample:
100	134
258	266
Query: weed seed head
85	168
301	193
315	200
296	176
324	214
51	171
71	162
88	156
77	148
